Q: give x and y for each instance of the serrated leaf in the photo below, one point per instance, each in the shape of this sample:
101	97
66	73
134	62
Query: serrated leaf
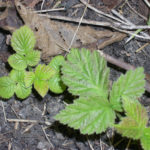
56	85
33	57
7	87
29	78
92	115
41	87
135	111
133	125
131	84
129	128
22	91
23	40
44	72
56	62
86	73
17	75
17	62
145	140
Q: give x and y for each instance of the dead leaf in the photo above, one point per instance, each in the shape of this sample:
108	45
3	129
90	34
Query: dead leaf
31	3
111	3
2	4
9	20
143	8
53	37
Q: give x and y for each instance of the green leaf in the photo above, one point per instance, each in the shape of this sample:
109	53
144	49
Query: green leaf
133	125
145	140
131	84
135	111
23	40
56	62
7	87
92	115
41	87
29	78
22	91
129	128
86	73
33	57
17	75
56	85
44	72
17	62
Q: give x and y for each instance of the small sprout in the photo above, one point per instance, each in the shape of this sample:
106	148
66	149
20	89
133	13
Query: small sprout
23	75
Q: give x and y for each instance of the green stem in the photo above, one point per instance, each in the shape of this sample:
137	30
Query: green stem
30	68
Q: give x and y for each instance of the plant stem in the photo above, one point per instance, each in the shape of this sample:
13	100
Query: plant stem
30	68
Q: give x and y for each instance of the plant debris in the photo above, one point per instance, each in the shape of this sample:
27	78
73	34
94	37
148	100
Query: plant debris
54	37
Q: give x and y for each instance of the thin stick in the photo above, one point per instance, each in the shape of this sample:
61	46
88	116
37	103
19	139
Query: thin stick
4	111
23	120
91	147
121	17
125	23
77	20
127	147
100	12
44	109
29	121
47	137
134	27
147	3
77	27
42	4
9	145
142	47
96	23
117	62
125	66
28	128
50	10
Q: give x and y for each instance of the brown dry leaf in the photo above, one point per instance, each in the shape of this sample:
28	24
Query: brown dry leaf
111	3
31	3
54	37
2	4
143	8
9	19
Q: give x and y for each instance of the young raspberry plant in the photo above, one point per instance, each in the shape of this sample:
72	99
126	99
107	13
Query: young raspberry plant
27	71
86	74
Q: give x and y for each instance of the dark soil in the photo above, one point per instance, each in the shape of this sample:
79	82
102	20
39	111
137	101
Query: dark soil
57	136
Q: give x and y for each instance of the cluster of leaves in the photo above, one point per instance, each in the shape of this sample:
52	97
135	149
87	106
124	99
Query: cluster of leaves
86	74
26	70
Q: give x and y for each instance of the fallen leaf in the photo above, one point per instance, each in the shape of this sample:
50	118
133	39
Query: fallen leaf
143	8
111	3
9	20
54	37
31	3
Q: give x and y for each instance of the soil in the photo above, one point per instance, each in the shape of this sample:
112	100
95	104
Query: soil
47	134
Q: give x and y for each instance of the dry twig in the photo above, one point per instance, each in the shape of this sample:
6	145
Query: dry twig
96	23
29	121
125	66
50	10
51	145
2	104
147	3
78	27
